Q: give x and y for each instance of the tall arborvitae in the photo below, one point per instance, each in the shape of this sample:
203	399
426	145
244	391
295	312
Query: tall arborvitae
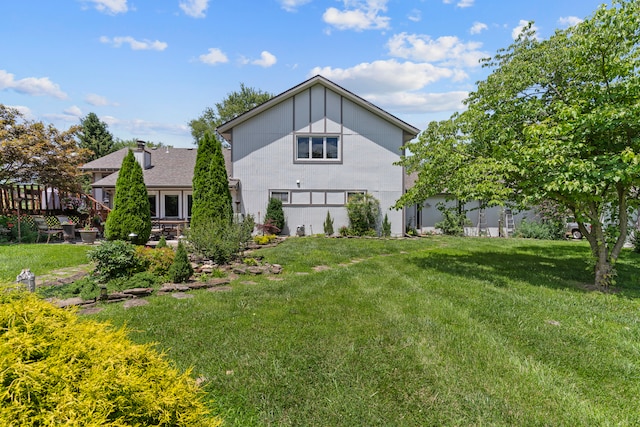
131	213
211	196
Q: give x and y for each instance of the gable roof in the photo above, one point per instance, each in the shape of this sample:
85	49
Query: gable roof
170	167
409	131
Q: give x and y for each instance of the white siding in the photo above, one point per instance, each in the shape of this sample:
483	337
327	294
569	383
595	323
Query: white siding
263	159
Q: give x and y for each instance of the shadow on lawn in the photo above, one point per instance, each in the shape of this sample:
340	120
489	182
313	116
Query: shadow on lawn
557	267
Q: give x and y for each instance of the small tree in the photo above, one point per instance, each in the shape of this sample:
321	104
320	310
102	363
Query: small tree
364	213
131	213
386	226
181	269
328	225
275	213
211	196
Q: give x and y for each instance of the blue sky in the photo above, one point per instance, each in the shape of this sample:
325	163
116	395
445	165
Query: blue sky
148	67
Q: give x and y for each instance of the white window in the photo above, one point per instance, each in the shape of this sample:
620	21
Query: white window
283	196
318	148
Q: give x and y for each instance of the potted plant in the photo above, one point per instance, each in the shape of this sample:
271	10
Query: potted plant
88	234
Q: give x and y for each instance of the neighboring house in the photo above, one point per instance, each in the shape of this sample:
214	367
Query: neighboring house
492	221
167	172
312	147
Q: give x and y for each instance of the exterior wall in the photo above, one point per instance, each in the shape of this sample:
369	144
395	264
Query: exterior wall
264	159
425	219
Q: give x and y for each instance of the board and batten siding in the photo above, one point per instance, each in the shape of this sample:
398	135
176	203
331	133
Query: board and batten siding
264	150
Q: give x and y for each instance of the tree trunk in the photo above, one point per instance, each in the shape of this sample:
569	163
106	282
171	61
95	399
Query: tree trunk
604	270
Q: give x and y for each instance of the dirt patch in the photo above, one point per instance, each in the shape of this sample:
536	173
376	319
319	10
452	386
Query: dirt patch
318	268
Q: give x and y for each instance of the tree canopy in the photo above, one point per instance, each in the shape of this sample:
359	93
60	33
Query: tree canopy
95	136
236	103
34	152
557	119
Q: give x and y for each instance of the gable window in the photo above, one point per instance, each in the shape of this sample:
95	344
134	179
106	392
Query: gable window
317	148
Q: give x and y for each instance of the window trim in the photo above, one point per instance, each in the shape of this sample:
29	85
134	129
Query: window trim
287	192
311	137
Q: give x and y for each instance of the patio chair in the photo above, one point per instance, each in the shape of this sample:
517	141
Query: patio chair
44	228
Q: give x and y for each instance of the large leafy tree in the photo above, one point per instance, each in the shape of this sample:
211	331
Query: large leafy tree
558	120
94	135
131	213
34	152
236	103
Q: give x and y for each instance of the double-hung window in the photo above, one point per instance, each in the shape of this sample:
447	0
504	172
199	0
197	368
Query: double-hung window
317	148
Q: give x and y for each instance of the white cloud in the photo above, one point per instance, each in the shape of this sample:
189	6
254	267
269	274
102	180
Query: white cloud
415	15
266	60
420	102
292	5
569	21
478	27
215	56
110	6
461	3
358	15
448	50
97	100
396	86
523	23
31	85
386	76
74	110
25	111
194	8
134	44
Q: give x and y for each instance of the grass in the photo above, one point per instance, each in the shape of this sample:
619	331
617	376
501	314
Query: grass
40	258
435	331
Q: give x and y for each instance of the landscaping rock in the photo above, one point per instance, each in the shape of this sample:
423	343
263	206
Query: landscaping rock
173	287
69	302
275	269
91	310
138	292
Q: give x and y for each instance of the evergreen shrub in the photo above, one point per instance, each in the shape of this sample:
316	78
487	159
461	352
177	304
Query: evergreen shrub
56	369
131	213
328	225
364	212
386	226
220	241
543	230
181	269
114	259
275	213
155	261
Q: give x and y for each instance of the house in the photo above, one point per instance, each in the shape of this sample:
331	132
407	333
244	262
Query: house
167	173
312	147
493	221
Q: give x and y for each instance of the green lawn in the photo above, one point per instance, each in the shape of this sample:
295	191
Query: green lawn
39	258
435	331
